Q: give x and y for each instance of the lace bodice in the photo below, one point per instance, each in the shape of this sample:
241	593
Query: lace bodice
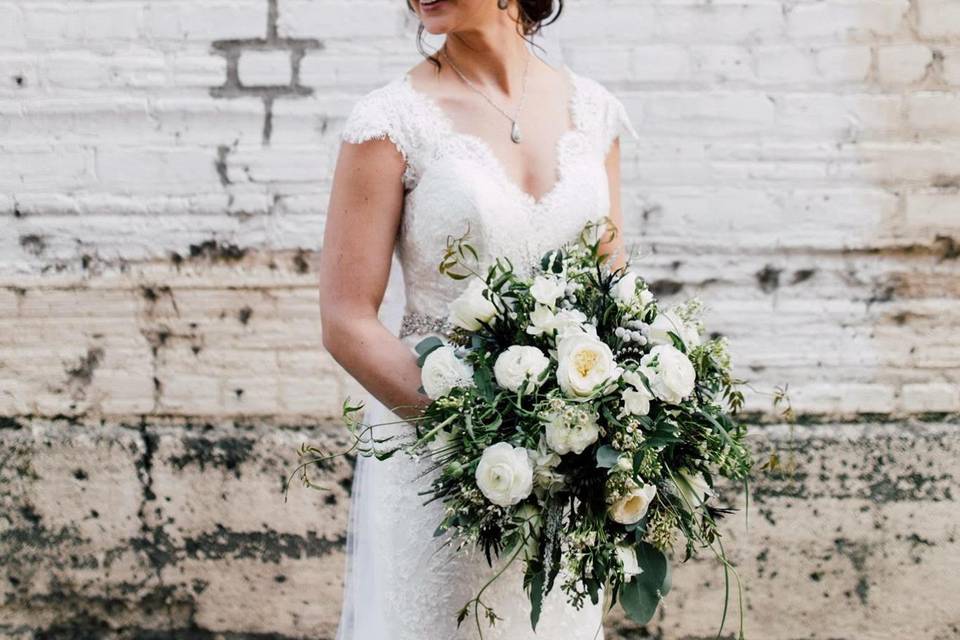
453	182
403	585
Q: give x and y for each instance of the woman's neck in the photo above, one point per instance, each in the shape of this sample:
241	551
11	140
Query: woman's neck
493	56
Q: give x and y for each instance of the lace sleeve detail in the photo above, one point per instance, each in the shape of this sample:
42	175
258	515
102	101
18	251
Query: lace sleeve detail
378	116
601	113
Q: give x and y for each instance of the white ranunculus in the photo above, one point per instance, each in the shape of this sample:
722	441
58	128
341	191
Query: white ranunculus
628	560
547	289
505	474
626	288
636	401
631	508
692	488
471	308
443	370
673	376
564	437
584	365
670	321
520	366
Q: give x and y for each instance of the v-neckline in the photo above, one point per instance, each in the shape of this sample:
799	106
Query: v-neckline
496	163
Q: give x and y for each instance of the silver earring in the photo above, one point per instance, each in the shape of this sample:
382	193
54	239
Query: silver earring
503	4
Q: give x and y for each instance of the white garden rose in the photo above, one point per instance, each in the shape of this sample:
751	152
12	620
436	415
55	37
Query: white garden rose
520	366
671	321
628	560
674	377
443	370
548	289
630	508
585	365
505	474
691	487
471	308
566	436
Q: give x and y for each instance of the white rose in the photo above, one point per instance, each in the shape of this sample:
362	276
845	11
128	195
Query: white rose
546	289
564	437
692	488
443	370
471	308
505	474
626	288
628	560
584	363
631	508
673	376
670	321
520	366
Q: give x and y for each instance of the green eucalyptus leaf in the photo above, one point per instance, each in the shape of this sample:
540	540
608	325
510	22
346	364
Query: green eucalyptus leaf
607	457
425	347
640	596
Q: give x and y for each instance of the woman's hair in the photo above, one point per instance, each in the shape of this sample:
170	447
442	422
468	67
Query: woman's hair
534	15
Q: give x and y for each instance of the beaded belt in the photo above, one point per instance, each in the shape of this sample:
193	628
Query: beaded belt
415	323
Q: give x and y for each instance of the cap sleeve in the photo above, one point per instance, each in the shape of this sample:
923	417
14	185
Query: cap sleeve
600	113
617	122
377	115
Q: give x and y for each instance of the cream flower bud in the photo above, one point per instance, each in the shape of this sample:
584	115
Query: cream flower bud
631	508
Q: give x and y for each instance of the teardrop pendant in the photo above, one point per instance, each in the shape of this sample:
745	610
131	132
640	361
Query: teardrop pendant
515	132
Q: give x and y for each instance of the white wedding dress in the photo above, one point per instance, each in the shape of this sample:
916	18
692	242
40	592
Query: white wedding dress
400	584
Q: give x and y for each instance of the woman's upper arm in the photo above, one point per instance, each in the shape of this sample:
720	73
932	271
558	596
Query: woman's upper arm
366	204
616	122
615	245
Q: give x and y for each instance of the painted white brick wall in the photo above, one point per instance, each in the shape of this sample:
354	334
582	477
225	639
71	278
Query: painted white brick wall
798	159
164	170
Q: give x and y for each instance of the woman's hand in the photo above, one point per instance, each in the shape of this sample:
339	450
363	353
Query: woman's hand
362	222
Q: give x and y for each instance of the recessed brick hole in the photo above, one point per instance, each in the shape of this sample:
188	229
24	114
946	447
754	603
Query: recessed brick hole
295	48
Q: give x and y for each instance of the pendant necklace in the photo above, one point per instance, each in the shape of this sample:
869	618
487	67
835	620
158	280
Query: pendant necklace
514	120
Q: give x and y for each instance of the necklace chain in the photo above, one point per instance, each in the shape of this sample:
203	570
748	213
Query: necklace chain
514	120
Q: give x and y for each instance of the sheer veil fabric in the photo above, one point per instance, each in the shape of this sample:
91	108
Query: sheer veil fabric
399	584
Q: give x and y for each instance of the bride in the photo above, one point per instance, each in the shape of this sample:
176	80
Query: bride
482	138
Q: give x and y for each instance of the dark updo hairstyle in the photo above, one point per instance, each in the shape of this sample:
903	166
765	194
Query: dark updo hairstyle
534	15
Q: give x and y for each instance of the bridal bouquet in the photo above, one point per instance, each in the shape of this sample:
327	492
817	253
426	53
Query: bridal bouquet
576	426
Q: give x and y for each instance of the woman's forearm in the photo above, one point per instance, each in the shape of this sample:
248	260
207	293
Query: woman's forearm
378	360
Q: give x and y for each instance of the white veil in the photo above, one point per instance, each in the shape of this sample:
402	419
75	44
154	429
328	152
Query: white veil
362	614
